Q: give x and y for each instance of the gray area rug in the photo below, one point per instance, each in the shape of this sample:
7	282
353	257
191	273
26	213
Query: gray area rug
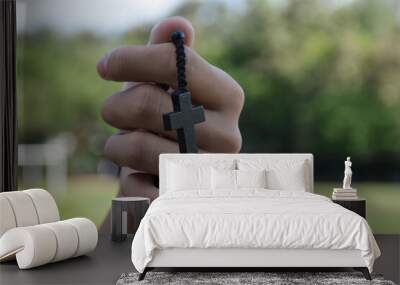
232	278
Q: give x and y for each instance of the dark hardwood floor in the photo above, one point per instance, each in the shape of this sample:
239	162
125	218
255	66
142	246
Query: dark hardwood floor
110	260
389	262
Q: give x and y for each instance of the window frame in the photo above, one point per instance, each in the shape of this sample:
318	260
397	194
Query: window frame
8	100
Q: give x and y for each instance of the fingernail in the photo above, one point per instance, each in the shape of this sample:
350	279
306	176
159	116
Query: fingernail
102	66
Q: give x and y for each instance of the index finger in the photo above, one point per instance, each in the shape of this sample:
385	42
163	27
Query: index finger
208	84
161	33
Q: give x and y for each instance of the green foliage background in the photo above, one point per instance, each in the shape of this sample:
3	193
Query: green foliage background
317	78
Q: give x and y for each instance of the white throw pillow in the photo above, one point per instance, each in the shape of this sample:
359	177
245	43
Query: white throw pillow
181	177
223	179
291	179
251	178
281	174
204	162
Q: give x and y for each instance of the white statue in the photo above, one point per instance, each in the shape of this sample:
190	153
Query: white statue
347	174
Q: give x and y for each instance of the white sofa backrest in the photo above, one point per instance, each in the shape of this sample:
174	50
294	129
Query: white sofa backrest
218	158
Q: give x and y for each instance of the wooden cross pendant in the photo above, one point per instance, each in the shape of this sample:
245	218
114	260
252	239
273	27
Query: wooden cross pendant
183	119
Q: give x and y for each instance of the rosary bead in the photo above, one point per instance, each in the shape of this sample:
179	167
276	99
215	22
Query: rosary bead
177	35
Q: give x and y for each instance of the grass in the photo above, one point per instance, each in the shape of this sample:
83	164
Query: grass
87	196
90	196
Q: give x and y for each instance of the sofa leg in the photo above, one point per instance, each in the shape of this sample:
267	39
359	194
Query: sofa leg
142	275
364	271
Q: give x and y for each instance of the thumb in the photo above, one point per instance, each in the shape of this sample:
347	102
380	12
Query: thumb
161	33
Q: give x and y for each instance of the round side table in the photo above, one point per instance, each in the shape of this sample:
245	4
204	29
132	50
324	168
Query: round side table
126	214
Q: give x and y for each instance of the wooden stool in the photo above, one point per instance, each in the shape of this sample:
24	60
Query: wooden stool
127	211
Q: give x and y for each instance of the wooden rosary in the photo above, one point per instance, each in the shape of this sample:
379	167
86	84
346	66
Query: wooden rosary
185	115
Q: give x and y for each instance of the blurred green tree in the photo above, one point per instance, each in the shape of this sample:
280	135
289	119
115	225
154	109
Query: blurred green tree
318	77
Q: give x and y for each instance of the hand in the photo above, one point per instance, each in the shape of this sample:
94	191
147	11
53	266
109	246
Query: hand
139	107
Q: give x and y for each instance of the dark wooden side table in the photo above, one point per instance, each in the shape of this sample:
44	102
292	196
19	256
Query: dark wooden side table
358	206
126	214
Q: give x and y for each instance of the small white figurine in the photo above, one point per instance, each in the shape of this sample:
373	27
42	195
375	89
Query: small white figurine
347	174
